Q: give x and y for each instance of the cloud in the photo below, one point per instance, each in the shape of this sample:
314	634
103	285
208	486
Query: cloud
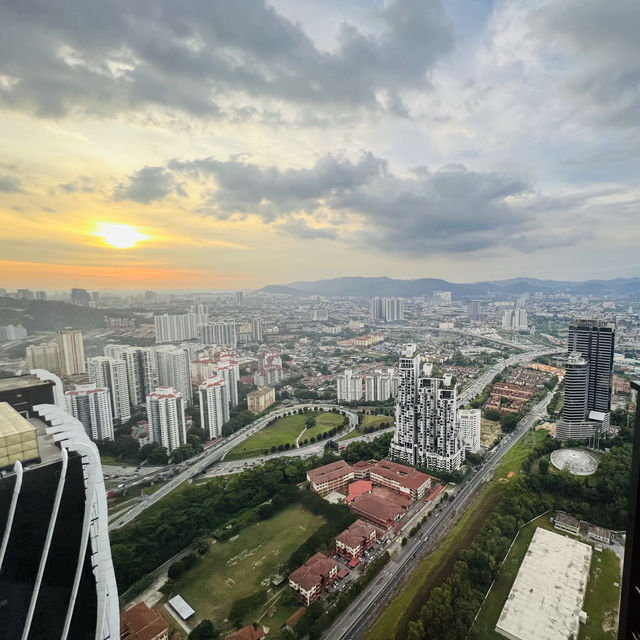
600	53
10	184
81	185
147	185
120	56
451	210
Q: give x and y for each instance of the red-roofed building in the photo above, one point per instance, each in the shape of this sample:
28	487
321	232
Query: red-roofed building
142	623
401	478
313	577
246	633
330	477
380	512
355	540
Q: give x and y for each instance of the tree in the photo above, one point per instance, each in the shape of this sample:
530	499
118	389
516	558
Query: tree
509	421
206	630
492	414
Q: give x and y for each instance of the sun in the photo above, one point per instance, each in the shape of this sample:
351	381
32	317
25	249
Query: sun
119	236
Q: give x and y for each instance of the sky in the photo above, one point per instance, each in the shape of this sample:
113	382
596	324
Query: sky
250	143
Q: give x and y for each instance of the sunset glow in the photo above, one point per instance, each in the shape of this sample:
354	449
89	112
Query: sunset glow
120	236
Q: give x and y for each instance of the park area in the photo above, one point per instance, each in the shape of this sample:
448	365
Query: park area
601	600
285	431
246	564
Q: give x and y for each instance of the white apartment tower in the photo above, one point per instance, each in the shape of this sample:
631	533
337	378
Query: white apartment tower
214	405
349	387
142	372
379	386
427	431
515	319
165	412
175	328
470	423
220	333
173	370
111	373
91	406
71	352
229	371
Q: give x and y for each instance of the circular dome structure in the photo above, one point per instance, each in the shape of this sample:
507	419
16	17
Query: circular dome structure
576	461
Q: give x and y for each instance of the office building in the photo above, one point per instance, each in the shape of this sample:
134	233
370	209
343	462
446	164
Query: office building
427	431
220	333
71	348
470	423
260	399
588	379
515	319
111	373
349	386
176	328
165	412
214	406
44	356
80	297
91	405
173	370
56	573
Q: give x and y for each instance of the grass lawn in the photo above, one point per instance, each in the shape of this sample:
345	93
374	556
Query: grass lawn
368	421
602	600
282	431
436	567
244	564
324	422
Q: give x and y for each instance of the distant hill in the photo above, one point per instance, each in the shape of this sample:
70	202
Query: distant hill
49	315
368	287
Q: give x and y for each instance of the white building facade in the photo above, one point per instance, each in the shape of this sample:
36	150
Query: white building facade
174	371
470	423
91	405
111	373
349	386
214	405
165	412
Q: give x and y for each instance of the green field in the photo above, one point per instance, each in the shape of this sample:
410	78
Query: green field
368	421
283	431
244	564
435	567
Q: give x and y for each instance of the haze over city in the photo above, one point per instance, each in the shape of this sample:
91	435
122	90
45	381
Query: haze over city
257	143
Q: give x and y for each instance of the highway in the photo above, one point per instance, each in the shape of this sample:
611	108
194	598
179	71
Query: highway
216	453
366	607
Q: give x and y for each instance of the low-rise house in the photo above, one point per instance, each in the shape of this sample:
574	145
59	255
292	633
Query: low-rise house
142	623
565	522
599	533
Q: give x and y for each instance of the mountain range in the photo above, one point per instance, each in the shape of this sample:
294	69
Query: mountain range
383	286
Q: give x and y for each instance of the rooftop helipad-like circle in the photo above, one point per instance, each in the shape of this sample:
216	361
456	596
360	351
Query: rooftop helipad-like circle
575	461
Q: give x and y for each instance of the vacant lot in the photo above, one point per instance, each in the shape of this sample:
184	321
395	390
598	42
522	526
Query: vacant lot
489	431
245	564
283	431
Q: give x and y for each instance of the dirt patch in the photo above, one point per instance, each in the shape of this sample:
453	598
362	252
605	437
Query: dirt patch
548	426
489	431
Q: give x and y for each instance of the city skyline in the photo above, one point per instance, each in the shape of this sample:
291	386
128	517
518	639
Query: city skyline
438	160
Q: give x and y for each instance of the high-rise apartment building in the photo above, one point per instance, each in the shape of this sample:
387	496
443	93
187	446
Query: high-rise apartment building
214	405
470	423
588	379
221	333
56	573
25	294
91	405
41	295
442	298
474	308
142	372
349	386
229	370
379	386
71	348
44	356
173	370
111	373
256	330
175	328
80	297
165	412
12	332
515	319
427	431
386	309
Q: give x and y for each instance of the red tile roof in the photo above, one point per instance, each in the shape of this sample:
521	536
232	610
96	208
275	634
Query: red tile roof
142	623
378	509
246	633
406	476
329	471
356	534
313	571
